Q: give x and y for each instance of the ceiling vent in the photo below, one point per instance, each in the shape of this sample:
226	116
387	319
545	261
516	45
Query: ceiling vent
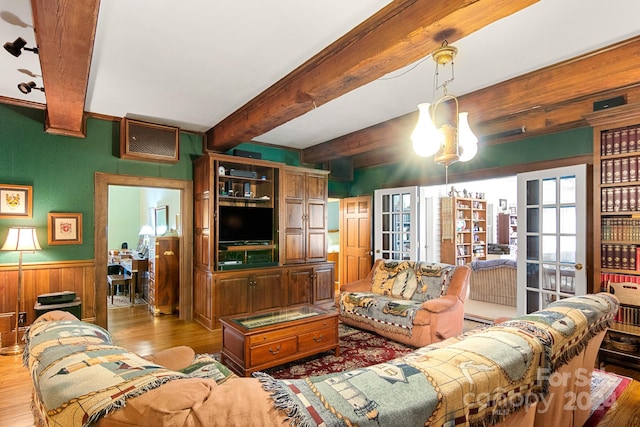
149	142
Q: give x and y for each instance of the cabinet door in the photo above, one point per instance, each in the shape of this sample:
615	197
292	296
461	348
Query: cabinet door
167	274
324	284
234	294
299	286
316	217
294	217
203	298
266	290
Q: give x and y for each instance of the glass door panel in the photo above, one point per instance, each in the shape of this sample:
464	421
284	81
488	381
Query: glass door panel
395	216
550	267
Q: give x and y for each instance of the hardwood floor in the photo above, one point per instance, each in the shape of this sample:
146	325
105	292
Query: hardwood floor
135	329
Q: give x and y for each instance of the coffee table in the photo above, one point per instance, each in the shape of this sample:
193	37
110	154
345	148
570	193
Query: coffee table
263	340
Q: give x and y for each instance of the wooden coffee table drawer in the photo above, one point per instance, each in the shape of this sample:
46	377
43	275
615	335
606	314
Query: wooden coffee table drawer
321	338
273	351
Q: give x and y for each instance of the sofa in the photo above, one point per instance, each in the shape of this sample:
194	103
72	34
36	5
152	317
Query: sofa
529	371
493	281
415	303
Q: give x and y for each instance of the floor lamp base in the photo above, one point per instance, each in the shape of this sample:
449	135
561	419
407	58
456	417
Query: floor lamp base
12	350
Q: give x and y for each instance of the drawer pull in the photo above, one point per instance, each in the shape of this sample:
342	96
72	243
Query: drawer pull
168	253
276	351
318	339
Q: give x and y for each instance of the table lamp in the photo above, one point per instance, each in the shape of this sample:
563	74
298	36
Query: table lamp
20	239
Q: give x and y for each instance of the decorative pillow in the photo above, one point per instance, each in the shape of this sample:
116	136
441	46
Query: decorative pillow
206	366
433	280
385	275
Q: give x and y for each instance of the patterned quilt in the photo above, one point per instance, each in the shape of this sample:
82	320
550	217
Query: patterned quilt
79	375
476	379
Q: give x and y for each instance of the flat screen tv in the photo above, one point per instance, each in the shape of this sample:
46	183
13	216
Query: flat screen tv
239	223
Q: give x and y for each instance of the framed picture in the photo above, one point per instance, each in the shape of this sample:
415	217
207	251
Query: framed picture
16	201
162	220
503	204
65	228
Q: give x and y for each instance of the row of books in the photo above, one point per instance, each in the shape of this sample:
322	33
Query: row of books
628	315
620	199
621	257
619	170
620	140
625	229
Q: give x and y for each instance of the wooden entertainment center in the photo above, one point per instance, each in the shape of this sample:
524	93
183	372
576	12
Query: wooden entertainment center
260	237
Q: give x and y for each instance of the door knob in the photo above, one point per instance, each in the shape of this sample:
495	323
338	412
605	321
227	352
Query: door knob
578	266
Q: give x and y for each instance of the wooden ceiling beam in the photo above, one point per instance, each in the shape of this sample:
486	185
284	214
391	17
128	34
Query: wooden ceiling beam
396	36
65	33
547	100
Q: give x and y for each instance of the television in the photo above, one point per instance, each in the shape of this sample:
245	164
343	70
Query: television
240	223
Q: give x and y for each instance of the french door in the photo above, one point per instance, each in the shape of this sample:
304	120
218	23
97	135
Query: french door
396	223
551	236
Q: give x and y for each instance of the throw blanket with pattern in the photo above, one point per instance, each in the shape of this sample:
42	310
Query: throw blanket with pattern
81	376
477	379
398	289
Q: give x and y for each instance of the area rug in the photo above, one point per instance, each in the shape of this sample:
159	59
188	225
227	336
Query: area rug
357	349
123	301
606	387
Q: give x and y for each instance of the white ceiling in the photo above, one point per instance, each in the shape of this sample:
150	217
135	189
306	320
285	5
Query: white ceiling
191	66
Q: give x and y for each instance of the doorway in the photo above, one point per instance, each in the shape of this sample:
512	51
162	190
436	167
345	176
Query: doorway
101	207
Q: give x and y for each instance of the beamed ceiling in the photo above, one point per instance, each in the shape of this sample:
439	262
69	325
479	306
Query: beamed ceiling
545	99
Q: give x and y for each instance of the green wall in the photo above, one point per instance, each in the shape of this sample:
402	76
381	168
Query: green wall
560	145
61	171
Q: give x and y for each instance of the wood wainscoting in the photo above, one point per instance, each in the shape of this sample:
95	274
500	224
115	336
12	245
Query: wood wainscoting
43	278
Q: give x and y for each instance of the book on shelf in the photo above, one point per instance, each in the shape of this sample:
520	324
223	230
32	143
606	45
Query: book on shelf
619	141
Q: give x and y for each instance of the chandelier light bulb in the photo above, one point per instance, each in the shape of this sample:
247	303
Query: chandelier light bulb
466	139
425	137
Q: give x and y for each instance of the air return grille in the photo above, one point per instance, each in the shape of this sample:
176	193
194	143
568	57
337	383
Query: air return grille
150	142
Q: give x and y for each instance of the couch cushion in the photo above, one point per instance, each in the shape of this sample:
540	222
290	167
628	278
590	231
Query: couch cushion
433	279
387	273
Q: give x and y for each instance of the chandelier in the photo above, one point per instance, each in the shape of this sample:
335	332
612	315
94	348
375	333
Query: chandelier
450	142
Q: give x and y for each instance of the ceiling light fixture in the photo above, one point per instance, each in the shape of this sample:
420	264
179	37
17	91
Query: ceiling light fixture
449	142
28	87
15	47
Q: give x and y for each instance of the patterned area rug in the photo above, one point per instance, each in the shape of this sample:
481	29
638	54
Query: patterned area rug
357	349
605	390
123	301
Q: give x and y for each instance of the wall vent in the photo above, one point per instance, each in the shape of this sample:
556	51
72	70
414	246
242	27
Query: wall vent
149	142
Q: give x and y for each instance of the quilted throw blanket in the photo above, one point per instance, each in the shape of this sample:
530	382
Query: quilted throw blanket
80	375
476	379
398	290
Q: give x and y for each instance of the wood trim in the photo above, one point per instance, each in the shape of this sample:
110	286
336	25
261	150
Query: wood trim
65	32
548	100
396	36
101	209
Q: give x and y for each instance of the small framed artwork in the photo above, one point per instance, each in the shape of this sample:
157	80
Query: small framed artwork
16	201
65	228
503	204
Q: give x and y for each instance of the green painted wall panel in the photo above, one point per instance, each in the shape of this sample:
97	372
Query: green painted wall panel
61	171
571	143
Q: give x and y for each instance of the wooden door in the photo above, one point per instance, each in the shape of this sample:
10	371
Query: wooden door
233	290
355	238
294	210
266	290
316	217
299	285
323	284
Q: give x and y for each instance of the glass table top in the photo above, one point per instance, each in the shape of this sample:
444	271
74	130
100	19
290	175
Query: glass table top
278	316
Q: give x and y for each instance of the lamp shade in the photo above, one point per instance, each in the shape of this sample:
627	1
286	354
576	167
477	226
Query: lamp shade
21	239
426	139
467	141
146	230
